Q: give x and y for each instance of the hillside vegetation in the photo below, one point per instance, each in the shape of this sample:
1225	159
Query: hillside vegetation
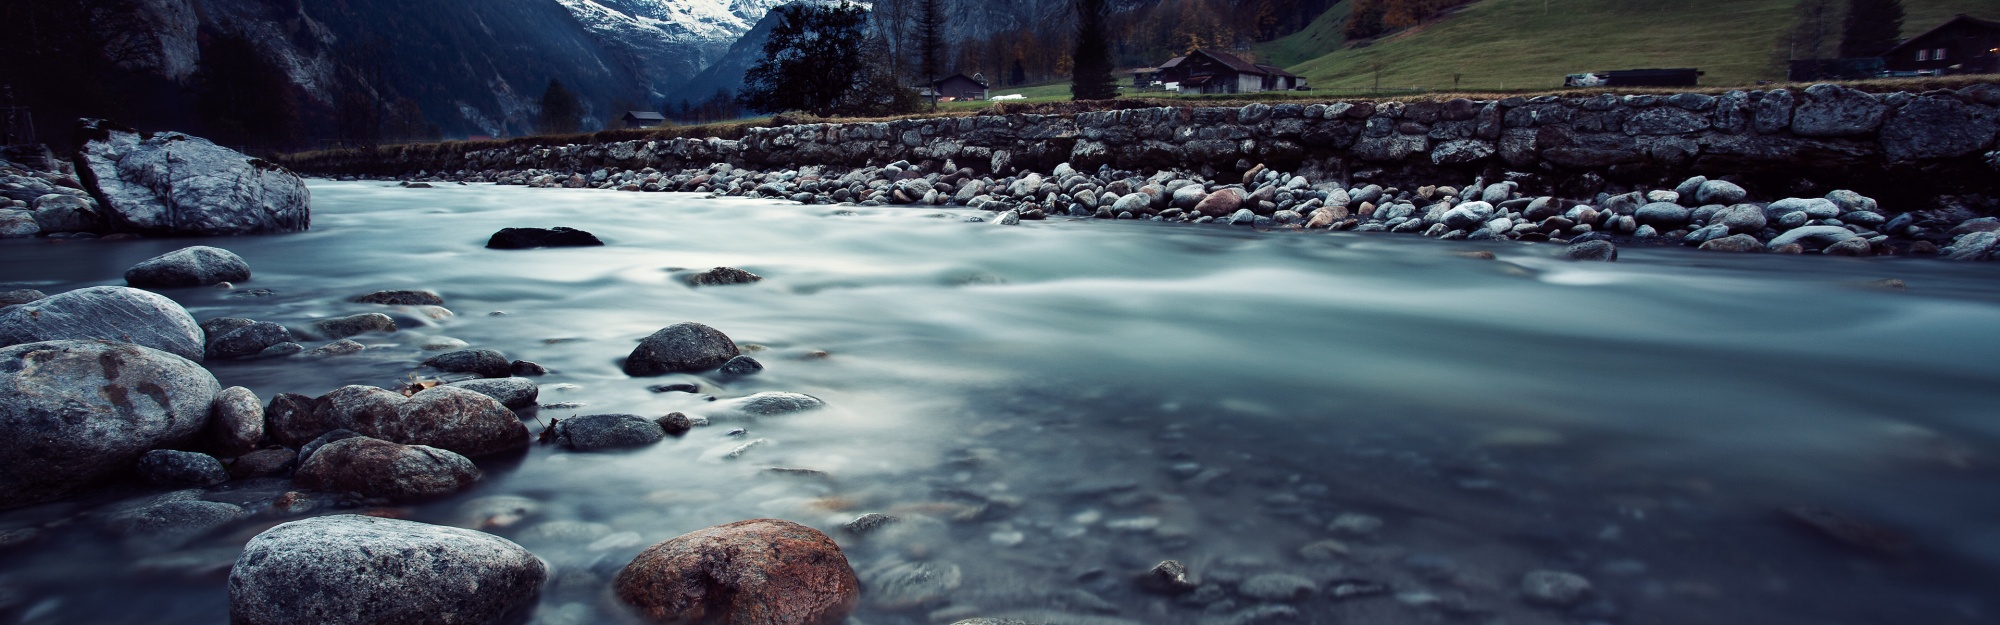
1532	44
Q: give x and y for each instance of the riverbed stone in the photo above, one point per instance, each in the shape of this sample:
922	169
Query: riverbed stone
512	392
758	571
18	224
75	412
608	431
57	212
1734	243
527	238
1595	250
1820	236
1554	588
455	419
199	265
1855	246
682	347
306	450
360	570
1221	203
175	184
236	421
20	296
721	276
179	469
373	467
1662	215
354	325
168	522
485	363
263	463
1720	192
247	341
401	298
772	403
1277	587
112	313
1975	246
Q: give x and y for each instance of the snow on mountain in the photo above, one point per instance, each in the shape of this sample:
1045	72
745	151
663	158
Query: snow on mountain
666	42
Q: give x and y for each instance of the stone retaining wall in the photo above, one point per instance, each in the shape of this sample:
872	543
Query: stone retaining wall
1895	145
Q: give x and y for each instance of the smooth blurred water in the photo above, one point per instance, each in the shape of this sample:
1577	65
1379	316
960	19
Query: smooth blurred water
1021	395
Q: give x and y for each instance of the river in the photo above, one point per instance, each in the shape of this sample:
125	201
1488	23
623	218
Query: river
1054	407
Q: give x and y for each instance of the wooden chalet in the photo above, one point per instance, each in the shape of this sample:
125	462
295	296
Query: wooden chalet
644	119
1962	45
957	87
1203	71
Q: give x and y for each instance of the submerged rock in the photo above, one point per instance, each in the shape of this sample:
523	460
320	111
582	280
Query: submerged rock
200	265
377	468
401	298
1554	588
169	521
176	469
526	238
608	431
75	412
776	403
20	296
485	363
761	571
512	392
111	313
722	276
741	365
352	325
680	347
175	184
1602	251
448	417
358	570
247	341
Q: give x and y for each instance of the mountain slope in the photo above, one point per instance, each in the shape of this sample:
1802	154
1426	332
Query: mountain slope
1516	44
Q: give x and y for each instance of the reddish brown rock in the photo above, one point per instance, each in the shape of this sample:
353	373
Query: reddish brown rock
1221	203
445	417
755	572
379	468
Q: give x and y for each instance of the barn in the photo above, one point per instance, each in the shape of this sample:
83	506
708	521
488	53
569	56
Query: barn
1962	45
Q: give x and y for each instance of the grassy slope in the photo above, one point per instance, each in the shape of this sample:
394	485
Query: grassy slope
1518	44
1325	34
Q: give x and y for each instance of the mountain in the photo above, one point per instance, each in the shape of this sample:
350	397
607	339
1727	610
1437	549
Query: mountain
726	72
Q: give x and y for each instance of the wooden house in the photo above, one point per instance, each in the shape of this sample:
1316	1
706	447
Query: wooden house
1203	71
957	87
1962	45
644	119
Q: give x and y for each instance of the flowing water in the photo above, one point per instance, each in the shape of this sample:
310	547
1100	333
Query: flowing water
1054	407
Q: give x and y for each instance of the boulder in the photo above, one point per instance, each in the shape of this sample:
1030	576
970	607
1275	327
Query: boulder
1820	236
1595	250
1222	202
180	469
290	419
608	431
199	265
526	238
722	276
401	298
1720	192
457	419
57	212
512	392
236	421
352	325
484	363
682	347
175	184
1662	215
1829	110
74	412
1975	246
1930	127
263	463
111	313
20	296
18	224
1467	215
170	521
755	572
771	403
246	341
1734	243
359	570
372	467
1740	218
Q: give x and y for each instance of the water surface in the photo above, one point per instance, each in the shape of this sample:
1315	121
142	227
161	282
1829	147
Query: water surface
1056	406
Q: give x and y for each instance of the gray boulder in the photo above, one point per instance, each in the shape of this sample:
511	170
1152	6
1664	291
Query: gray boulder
608	431
179	469
200	265
1734	243
111	313
74	412
774	403
236	421
1662	215
20	296
1975	246
457	419
1468	214
170	521
1931	127
1720	192
1820	236
373	467
18	224
57	212
246	341
401	298
512	392
1851	202
352	325
1815	208
1829	110
359	570
1740	218
175	184
1596	250
680	347
485	363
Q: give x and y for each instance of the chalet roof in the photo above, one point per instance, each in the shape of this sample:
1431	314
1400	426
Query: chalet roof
1173	62
940	82
645	116
1240	65
1988	24
1274	71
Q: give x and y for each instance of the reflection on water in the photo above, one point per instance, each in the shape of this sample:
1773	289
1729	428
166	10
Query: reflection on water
1056	406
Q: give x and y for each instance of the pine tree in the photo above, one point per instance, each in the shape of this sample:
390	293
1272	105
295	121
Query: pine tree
930	44
561	113
1872	28
820	60
1812	29
1091	77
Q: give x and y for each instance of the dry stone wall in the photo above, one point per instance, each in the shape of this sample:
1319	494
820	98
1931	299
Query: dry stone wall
1891	145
